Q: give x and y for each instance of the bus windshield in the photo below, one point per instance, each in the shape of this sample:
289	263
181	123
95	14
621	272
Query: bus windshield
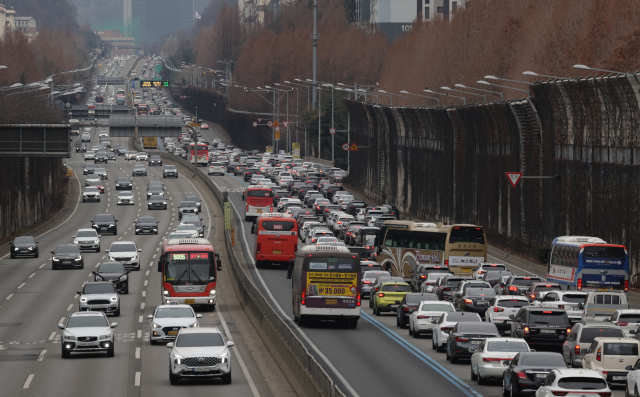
189	267
594	251
284	226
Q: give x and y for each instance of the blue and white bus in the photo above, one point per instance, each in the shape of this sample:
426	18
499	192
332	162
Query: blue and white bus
588	264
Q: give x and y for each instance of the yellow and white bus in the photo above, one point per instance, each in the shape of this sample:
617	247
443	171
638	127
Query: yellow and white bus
466	247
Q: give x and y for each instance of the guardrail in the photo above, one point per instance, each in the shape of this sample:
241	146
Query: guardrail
303	371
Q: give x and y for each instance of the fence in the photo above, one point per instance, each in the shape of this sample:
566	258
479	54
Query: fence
305	374
449	164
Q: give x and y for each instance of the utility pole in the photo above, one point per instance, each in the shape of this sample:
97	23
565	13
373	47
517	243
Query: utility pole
273	131
315	54
333	136
319	120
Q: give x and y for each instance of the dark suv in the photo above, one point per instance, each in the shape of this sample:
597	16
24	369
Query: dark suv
114	272
447	286
354	206
101	157
331	190
67	255
105	223
124	182
541	327
24	246
249	173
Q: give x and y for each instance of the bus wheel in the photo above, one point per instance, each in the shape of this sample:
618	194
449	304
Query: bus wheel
302	321
353	323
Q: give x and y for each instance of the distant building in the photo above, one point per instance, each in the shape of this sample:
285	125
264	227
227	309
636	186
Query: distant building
395	17
27	25
159	17
6	20
117	43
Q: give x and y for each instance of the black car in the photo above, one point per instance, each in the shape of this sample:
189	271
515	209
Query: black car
105	223
101	157
418	276
89	168
331	190
170	171
146	225
465	337
250	172
111	156
408	304
240	169
155	190
114	272
541	327
518	285
81	149
476	300
157	202
528	370
195	199
448	285
124	182
458	294
355	206
68	255
122	150
24	246
155	160
139	169
187	207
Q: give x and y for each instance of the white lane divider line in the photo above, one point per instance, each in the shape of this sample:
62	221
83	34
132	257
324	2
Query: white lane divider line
97	264
144	293
43	265
154	256
9	297
90	274
53	335
28	382
61	320
41	356
104	256
137	379
157	249
142	306
140	319
139	333
83	284
75	296
32	274
21	285
146	282
148	272
138	353
70	307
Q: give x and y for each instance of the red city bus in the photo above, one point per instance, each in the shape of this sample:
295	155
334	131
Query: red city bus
143	109
203	153
259	201
189	269
276	238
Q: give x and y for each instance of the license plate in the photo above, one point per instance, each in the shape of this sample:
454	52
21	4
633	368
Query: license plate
466	270
172	333
331	301
541	376
86	343
475	342
259	211
547	331
482	303
277	252
99	307
393	306
190	301
604	289
619	377
205	369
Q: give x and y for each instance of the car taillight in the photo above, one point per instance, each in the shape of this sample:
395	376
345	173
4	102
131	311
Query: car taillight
579	284
381	294
599	355
304	298
481	271
259	247
358	300
526	330
626	289
513	288
560	306
559	393
366	282
576	350
494	359
622	323
533	296
247	209
446	262
424	317
446	289
461	339
446	330
423	276
468	301
605	394
522	375
568	330
498	309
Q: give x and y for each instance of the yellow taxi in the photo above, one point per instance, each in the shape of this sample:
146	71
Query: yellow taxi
389	296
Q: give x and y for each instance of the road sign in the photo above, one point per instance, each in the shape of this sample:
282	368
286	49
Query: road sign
277	129
332	131
154	83
276	123
255	124
345	147
514	178
269	149
270	123
295	149
277	134
259	120
354	147
285	124
227	215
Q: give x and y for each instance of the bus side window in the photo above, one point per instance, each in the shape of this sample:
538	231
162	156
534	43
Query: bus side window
553	260
576	256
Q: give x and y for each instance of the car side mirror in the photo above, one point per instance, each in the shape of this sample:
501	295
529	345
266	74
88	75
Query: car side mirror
537	383
99	235
61	326
107	251
198	315
139	249
290	269
506	363
632	332
434	321
502	284
230	344
218	262
410	271
629	367
150	316
73	237
607	320
53	253
473	350
113	325
170	345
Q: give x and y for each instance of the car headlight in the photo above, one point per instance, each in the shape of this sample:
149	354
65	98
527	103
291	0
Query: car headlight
194	325
224	357
79	258
164	203
103	337
178	360
69	337
16	249
212	292
123	277
83	300
112	225
114	299
56	259
96	241
75	241
165	293
117	184
154	325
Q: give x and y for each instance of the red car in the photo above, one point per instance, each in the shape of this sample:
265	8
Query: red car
99	185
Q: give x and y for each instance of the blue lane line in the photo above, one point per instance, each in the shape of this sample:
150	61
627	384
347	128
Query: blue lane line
239	180
468	390
160	145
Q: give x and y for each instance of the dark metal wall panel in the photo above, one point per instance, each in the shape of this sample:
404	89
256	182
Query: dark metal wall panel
35	140
160	131
122	131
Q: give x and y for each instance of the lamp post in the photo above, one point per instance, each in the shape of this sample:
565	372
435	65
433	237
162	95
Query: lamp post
480	89
503	86
301	85
530	73
3	67
422	96
490	77
464	100
585	67
470	93
398	95
297	92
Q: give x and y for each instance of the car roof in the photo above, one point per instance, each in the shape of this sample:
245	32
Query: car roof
200	330
76	314
122	242
99	283
614	339
172	306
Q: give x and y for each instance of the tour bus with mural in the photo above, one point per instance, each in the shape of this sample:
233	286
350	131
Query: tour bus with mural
326	285
582	263
401	246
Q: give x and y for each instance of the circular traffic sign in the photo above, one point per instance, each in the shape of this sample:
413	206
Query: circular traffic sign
270	123
345	147
255	123
332	131
277	129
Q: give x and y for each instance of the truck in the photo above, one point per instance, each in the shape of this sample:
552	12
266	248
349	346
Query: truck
599	305
120	100
150	142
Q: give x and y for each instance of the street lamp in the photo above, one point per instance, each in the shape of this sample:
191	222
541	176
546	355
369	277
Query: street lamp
3	67
480	89
503	86
453	96
530	73
490	77
422	96
413	100
470	93
301	85
600	70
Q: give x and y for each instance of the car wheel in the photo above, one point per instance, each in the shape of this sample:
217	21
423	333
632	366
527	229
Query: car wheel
112	350
513	392
82	265
226	378
635	392
410	329
115	231
117	312
433	343
447	351
98	249
37	255
153	342
416	335
302	321
65	353
481	380
473	375
13	256
126	290
440	348
626	390
84	201
453	359
398	324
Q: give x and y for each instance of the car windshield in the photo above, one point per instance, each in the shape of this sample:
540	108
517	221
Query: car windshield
436	307
99	288
111	268
174	312
126	247
156	198
170	167
24	240
87	233
524	281
589	334
87	321
548	317
125	194
208	339
67	249
186	204
507	346
582	383
512	303
396	288
621	349
146	219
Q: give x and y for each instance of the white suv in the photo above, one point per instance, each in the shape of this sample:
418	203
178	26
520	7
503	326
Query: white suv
125	252
87	332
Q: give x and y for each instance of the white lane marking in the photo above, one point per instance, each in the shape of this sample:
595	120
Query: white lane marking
28	382
140	319
70	307
90	274
137	352
146	282
245	370
97	264
41	356
83	284
53	335
144	293
139	333
104	256
293	324
32	274
137	379
142	306
61	320
43	265
21	285
9	297
148	271
157	249
150	264
154	256
75	296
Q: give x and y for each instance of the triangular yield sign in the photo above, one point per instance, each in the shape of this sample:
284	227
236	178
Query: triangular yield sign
259	120
285	123
353	147
514	178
